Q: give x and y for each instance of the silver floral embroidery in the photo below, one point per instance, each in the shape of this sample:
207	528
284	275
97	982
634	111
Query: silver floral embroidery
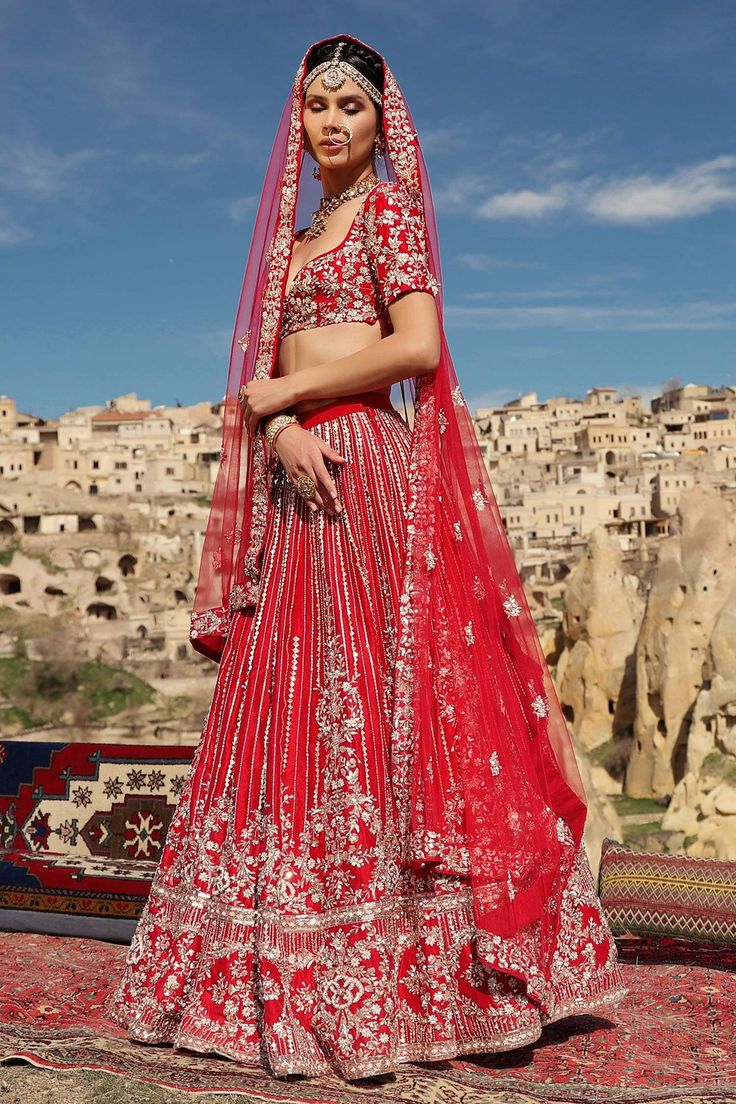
244	341
343	992
430	558
285	939
540	706
285	887
457	396
510	887
403	148
238	597
495	764
442	421
382	255
210	621
456	531
478	589
469	633
511	606
478	499
447	712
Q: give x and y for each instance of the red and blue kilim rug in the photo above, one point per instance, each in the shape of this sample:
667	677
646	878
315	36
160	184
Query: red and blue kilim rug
81	832
672	1041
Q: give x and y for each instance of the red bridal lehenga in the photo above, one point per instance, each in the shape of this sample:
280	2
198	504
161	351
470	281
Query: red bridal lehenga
377	854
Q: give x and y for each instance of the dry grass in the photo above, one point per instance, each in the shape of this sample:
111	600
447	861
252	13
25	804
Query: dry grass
26	1084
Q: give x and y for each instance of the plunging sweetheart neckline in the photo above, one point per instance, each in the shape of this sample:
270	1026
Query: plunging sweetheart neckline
334	249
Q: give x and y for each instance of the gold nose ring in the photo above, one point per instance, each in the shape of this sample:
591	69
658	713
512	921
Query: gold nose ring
344	126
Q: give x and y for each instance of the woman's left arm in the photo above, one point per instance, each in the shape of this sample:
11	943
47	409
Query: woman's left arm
395	241
412	349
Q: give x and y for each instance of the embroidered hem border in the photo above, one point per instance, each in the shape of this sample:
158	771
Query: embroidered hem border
151	1023
371	1067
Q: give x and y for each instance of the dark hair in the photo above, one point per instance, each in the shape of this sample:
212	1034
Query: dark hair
362	57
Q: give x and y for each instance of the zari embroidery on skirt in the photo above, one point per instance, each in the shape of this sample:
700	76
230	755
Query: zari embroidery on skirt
287	925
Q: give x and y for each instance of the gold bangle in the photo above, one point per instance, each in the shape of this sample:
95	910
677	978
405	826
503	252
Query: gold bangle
264	425
275	437
277	423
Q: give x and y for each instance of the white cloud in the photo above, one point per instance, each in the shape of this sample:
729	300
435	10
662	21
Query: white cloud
481	262
697	189
32	174
524	204
215	342
694	190
124	73
11	232
550	156
39	172
697	315
442	139
159	159
461	191
544	293
686	32
239	209
494	397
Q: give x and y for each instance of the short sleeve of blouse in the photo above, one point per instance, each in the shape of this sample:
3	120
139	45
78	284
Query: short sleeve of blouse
396	243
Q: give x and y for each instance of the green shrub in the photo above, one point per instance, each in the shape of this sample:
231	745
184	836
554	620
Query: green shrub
91	691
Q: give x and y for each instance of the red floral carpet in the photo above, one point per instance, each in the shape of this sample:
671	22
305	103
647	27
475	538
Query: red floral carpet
672	1041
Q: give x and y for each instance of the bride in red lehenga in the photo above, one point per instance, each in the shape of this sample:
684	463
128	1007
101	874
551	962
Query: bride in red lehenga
377	855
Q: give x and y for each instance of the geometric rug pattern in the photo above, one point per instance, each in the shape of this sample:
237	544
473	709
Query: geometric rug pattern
670	1041
82	827
683	896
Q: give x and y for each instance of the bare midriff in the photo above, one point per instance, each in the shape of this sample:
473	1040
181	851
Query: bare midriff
323	344
308	348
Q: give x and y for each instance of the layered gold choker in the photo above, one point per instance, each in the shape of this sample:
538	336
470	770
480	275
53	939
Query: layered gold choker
329	203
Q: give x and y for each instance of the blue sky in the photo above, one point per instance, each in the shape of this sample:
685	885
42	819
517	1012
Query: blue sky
582	157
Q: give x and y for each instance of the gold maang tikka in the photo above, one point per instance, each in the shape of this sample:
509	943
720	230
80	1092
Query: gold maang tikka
333	73
336	69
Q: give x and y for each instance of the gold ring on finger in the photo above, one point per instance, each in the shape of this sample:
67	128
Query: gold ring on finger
306	486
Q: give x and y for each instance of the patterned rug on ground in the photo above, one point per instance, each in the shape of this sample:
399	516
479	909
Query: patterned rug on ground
672	1041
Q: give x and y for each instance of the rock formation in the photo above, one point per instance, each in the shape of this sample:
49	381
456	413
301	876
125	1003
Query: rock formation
703	804
603	611
660	670
673	653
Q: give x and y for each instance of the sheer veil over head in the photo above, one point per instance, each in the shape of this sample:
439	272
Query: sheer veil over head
497	796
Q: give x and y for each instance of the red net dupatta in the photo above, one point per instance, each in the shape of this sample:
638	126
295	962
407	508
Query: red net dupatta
496	790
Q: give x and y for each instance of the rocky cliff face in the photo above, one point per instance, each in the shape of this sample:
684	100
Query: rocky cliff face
692	582
94	624
603	613
663	670
703	804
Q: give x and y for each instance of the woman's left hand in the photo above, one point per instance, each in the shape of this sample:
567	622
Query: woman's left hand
260	398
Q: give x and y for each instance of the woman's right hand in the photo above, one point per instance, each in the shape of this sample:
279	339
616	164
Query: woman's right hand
302	452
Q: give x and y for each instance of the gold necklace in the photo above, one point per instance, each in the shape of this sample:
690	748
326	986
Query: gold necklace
329	203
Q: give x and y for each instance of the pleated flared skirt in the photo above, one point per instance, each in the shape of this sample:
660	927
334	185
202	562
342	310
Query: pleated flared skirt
282	928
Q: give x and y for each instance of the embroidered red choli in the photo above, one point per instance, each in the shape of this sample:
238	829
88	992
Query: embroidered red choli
382	255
